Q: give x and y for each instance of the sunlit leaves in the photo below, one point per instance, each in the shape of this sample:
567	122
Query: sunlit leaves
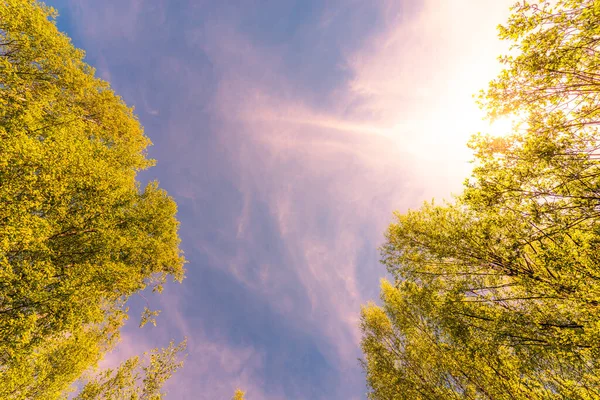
496	294
136	378
78	233
149	316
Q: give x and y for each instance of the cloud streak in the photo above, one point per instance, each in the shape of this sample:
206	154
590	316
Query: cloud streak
289	131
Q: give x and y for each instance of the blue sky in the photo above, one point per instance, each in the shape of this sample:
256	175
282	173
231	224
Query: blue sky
288	131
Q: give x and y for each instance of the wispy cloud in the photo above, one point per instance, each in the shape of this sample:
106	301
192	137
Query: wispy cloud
416	80
288	136
397	132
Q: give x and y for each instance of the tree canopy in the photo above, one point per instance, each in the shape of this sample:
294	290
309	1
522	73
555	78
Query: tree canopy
78	233
497	293
135	378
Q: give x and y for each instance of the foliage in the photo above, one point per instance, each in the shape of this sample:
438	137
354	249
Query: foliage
135	379
238	395
496	294
78	234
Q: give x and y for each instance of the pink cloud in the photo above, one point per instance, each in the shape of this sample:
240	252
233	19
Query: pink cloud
395	136
217	369
418	78
359	163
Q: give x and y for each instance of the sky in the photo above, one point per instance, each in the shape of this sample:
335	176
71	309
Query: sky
288	132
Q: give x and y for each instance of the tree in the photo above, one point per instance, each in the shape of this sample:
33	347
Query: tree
78	234
414	351
238	395
497	292
134	378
